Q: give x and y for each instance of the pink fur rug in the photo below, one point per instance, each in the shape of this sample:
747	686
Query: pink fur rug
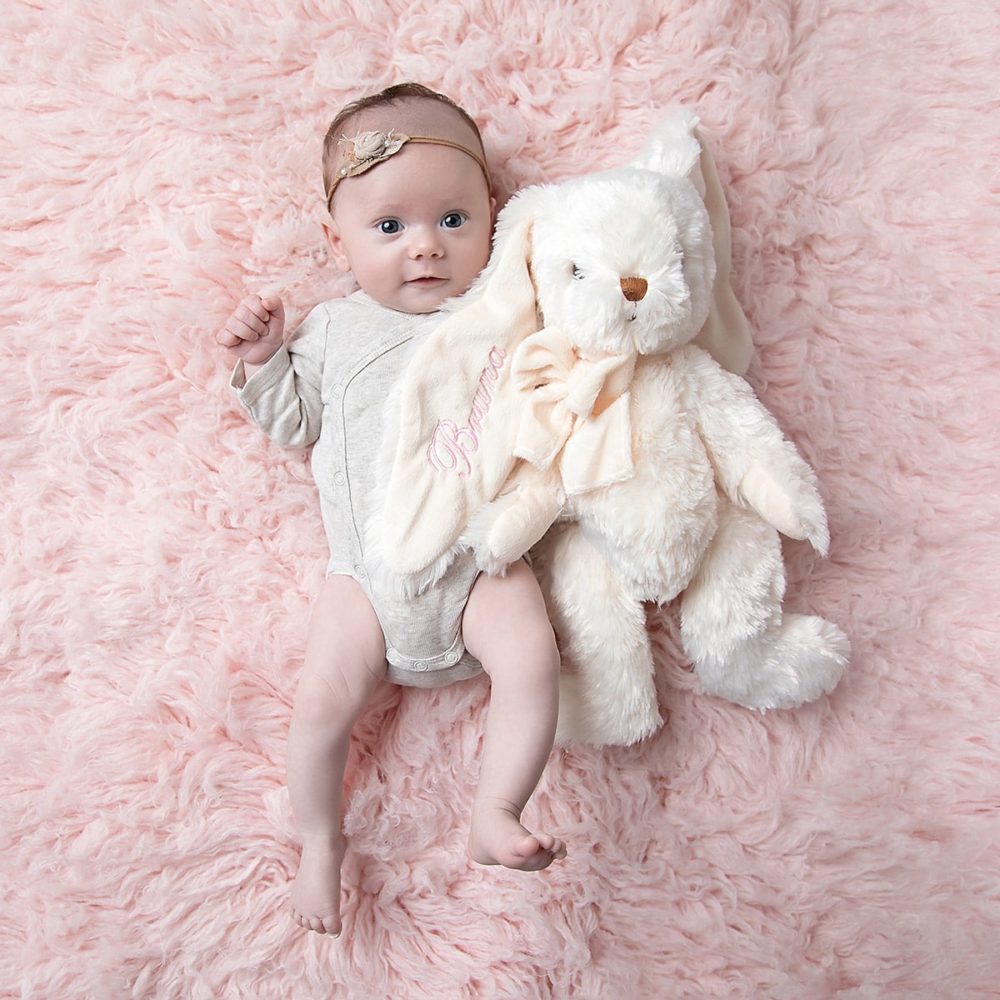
159	160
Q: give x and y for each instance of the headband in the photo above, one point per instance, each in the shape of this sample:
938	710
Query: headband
367	149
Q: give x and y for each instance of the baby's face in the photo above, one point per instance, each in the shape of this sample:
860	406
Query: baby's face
415	229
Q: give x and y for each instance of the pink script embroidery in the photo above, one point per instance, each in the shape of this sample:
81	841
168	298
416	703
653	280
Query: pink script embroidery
451	446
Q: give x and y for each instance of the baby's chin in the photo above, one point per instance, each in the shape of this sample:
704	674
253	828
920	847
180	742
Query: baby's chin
422	298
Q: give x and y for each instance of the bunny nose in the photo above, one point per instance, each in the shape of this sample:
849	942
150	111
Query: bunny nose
634	288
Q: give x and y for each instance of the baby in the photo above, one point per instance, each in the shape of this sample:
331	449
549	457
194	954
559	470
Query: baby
411	215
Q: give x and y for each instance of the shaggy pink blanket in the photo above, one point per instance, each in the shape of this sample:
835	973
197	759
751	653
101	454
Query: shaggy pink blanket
159	160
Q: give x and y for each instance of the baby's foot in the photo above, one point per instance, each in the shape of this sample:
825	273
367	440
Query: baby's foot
497	838
316	891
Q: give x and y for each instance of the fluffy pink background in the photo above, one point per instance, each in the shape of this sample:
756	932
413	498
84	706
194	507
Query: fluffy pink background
159	160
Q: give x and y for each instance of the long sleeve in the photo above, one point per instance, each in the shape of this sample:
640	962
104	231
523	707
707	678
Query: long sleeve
284	396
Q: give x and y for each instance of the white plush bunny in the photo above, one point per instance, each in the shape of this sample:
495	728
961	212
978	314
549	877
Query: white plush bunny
585	401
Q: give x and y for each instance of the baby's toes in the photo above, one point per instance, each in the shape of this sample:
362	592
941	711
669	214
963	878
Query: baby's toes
528	847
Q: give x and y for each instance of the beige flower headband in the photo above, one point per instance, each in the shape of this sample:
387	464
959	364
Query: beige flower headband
367	149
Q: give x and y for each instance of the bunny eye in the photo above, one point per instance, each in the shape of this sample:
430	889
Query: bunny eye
577	273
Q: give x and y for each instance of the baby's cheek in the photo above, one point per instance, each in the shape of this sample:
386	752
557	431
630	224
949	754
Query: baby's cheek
483	255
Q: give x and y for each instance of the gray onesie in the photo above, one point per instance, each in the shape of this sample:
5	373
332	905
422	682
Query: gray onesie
328	387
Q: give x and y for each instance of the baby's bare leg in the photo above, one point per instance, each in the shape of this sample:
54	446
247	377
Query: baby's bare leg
506	628
345	658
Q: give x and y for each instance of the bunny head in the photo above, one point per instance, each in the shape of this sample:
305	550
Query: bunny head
620	261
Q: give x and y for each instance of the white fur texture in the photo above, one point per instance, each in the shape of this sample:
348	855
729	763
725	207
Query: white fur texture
715	479
590	232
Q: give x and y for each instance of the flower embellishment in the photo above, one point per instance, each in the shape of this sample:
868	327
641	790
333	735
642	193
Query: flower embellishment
368	148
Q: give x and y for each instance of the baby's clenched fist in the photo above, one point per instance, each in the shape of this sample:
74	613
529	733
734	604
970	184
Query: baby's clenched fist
254	331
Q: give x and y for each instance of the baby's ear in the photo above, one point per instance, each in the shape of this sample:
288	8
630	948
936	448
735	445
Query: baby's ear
332	235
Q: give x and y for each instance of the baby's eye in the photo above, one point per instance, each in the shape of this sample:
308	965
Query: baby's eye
389	226
453	220
577	273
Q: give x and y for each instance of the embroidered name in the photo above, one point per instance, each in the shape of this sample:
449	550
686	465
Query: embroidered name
451	446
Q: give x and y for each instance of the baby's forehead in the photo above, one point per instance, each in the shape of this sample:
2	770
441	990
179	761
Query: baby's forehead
420	179
414	116
372	136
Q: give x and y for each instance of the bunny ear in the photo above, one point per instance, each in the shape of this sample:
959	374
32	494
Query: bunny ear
672	148
726	333
675	148
456	428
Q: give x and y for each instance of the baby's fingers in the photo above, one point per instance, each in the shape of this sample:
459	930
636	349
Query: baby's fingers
246	324
256	306
227	339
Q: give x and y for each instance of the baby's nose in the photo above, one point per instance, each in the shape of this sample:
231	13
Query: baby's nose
634	288
425	244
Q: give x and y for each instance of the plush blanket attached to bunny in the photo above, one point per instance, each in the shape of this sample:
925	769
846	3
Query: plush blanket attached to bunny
565	407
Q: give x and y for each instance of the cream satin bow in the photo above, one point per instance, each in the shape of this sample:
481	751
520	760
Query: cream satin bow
576	410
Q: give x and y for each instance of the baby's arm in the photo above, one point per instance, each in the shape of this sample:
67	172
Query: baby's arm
278	383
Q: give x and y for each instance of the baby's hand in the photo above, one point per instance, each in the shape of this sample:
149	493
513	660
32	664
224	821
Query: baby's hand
254	330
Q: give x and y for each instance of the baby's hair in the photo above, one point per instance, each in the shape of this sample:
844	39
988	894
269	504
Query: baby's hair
391	95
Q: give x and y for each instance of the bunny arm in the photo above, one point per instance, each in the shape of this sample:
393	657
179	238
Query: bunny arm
754	463
504	530
561	446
